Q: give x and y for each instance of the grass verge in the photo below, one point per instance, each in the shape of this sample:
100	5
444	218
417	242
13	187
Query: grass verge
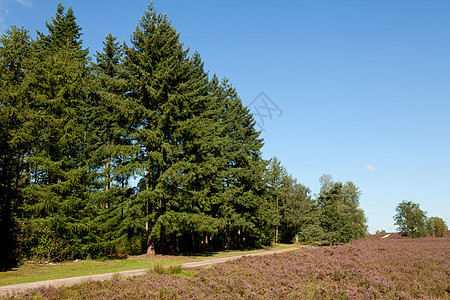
33	272
38	272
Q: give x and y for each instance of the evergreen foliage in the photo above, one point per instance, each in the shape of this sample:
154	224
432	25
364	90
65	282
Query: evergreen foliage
55	199
140	151
171	95
16	134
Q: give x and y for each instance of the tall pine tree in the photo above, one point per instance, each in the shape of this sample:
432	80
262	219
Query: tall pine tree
113	116
55	199
17	133
241	204
171	95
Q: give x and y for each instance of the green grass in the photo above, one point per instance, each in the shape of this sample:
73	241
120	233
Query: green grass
38	272
32	272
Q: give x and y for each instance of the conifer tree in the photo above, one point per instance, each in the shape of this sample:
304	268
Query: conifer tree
113	117
63	32
56	197
170	94
73	134
16	134
240	203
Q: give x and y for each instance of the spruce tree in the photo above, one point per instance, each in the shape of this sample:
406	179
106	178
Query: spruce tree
63	32
170	93
112	120
55	199
240	202
17	132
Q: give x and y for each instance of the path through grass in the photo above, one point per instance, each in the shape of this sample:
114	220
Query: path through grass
38	272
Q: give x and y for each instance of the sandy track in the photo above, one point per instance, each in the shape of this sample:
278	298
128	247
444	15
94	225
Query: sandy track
17	288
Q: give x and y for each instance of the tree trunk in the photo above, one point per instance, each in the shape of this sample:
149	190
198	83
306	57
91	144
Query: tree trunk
239	237
150	245
276	233
276	226
227	233
108	183
108	176
151	248
108	173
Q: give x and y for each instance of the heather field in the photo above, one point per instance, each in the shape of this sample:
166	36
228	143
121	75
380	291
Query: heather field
371	268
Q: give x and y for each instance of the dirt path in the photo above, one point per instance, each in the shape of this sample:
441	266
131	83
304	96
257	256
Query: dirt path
17	288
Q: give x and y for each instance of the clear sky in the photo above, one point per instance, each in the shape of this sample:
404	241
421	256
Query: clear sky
356	89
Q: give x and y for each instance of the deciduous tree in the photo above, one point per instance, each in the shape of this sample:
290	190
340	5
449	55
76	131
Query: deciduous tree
437	227
410	219
341	218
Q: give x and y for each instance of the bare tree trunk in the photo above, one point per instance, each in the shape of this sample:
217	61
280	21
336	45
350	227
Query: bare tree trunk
227	233
276	233
151	248
108	172
276	226
108	183
150	245
239	238
108	176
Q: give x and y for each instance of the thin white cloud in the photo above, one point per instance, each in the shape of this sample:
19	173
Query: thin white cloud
376	197
369	168
24	2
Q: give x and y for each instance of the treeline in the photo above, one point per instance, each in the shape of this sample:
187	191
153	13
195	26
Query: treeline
413	221
139	150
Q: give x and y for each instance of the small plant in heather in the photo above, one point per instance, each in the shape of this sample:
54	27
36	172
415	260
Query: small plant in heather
116	275
159	269
177	269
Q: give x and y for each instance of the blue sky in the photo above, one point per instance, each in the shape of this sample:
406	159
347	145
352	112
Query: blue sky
360	89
